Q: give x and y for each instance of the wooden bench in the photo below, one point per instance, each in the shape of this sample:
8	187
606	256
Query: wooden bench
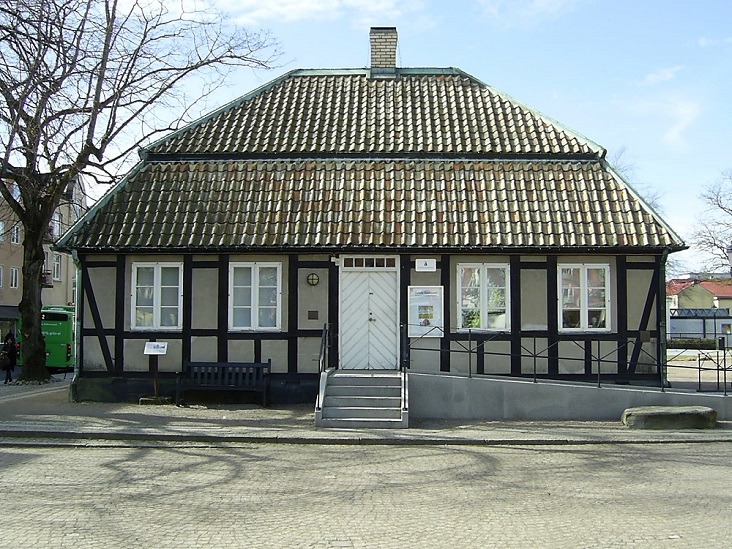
223	376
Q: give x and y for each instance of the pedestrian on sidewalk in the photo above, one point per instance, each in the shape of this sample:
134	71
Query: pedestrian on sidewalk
9	356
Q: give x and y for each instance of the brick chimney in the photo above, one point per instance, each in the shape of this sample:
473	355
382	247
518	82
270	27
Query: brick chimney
383	49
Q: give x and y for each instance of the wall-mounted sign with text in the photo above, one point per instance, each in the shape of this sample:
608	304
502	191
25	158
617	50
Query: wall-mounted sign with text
426	311
425	265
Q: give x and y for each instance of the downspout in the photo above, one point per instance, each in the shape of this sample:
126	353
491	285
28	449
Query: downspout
661	341
74	391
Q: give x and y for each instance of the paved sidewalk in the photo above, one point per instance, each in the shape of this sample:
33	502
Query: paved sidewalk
44	415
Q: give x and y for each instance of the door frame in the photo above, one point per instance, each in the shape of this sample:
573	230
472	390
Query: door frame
344	267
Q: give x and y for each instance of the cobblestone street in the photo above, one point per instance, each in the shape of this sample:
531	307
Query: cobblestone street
285	495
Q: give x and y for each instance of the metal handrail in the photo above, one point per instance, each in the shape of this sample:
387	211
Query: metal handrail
323	354
322	360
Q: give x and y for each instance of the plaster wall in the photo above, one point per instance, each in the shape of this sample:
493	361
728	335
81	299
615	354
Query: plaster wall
312	300
93	357
204	304
639	283
104	283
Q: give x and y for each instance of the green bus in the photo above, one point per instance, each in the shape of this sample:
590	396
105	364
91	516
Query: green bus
57	327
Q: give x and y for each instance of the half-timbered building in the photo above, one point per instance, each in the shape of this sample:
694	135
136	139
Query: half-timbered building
425	217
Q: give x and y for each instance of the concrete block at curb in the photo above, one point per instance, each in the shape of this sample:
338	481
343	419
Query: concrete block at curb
669	417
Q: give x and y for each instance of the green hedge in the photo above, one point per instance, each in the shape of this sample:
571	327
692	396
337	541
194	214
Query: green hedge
691	343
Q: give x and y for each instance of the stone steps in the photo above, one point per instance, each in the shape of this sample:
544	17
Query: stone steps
362	399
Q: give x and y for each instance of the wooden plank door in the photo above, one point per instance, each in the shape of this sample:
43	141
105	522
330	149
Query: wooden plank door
369	334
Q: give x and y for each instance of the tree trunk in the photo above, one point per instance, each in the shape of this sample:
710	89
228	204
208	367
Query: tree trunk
33	345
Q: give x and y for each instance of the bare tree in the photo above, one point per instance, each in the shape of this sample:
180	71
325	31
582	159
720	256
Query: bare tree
651	195
82	84
713	232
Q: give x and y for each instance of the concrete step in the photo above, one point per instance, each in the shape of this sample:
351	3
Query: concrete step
348	378
363	390
363	401
361	423
361	412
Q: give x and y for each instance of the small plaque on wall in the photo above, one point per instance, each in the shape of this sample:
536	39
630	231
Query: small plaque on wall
425	265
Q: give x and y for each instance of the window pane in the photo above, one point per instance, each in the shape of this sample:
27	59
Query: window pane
496	278
242	276
470	277
570	298
571	318
497	299
496	320
169	297
470	318
144	317
242	297
267	317
570	278
242	317
169	316
169	276
595	278
267	296
596	318
145	276
268	276
470	298
144	297
596	299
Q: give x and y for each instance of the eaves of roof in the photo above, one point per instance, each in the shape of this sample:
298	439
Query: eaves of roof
358	205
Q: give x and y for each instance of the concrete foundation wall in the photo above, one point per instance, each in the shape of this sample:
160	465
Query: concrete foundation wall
460	397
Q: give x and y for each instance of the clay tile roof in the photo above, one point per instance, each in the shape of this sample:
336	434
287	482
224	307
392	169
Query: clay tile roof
674	287
337	160
718	288
332	112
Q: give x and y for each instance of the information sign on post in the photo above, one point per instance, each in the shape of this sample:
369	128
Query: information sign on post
156	347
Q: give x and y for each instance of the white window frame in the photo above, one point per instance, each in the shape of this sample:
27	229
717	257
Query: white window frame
485	309
585	325
157	305
14	278
15	234
56	224
255	266
57	264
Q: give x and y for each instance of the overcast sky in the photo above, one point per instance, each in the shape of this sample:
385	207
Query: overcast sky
650	77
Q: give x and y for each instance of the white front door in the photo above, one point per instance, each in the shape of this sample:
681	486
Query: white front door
369	315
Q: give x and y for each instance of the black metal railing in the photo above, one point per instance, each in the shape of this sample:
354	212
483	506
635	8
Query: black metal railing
477	341
703	361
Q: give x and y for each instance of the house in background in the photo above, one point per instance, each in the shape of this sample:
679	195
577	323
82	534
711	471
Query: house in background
426	217
695	293
59	272
699	307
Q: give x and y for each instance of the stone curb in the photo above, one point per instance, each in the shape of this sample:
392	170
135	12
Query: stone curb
63	438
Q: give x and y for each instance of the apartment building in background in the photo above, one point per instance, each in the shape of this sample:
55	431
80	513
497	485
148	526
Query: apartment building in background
59	273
